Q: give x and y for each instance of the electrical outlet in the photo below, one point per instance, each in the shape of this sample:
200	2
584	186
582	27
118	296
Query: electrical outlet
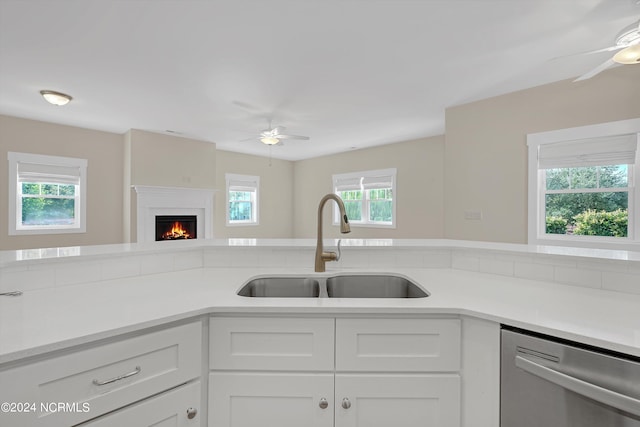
473	215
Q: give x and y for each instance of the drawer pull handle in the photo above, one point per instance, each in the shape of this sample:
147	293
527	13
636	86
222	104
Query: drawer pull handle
136	371
323	403
346	404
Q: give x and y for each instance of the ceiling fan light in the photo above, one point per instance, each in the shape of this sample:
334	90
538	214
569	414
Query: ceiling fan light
629	55
55	98
269	140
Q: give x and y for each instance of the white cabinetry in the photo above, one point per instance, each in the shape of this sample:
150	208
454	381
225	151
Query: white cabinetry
409	358
397	400
271	344
176	408
270	399
383	371
97	380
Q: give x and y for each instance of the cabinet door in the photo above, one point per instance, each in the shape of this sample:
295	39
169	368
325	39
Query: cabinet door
179	407
265	399
366	400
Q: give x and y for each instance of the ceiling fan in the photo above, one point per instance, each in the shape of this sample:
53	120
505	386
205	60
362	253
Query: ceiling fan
274	136
628	47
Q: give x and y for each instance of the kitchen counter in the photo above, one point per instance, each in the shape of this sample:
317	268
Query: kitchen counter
54	318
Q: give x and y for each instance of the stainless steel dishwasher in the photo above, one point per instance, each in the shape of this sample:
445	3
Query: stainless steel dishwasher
547	382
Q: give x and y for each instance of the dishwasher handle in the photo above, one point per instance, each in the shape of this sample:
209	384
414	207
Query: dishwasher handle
592	391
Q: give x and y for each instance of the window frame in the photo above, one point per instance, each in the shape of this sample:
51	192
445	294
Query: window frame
366	201
15	205
248	181
537	188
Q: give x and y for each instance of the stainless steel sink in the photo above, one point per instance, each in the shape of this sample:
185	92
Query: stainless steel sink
373	286
333	286
281	287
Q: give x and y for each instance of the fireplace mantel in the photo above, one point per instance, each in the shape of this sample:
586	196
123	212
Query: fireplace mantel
152	201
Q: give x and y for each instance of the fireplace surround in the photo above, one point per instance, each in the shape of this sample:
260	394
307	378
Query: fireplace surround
152	202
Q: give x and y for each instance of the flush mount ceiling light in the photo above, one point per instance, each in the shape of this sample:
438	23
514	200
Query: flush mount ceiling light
274	136
629	55
629	41
628	47
269	140
55	98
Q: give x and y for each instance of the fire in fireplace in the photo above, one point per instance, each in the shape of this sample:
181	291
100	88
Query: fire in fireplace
176	227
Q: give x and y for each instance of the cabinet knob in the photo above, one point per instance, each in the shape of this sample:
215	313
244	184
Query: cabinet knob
346	404
191	413
323	403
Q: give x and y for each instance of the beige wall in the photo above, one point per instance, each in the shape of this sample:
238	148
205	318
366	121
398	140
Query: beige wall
276	195
480	167
486	155
171	161
419	188
104	178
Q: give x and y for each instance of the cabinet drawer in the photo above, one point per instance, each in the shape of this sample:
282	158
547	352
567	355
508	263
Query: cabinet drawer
398	345
281	344
103	378
171	409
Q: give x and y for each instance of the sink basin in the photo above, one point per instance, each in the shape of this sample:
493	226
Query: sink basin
333	286
373	286
281	287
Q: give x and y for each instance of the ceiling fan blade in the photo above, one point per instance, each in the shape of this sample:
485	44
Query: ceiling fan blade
292	137
600	68
253	138
605	49
591	52
277	130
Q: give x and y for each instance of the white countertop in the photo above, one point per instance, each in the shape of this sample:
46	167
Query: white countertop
45	320
11	257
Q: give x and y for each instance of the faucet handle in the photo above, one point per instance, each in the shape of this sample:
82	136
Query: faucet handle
339	250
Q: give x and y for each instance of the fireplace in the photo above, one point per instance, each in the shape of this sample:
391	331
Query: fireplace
176	227
184	204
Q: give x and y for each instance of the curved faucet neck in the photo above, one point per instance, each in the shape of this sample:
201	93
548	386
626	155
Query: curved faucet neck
321	256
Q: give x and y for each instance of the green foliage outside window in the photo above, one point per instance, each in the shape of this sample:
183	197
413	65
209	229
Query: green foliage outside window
556	225
352	204
380	204
48	204
593	223
580	211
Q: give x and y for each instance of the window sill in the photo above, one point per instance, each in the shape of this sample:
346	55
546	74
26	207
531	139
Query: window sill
44	231
590	242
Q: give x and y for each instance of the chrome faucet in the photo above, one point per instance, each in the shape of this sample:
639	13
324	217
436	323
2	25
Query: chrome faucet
321	256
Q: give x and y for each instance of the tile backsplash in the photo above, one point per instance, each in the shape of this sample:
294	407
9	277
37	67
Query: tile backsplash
614	275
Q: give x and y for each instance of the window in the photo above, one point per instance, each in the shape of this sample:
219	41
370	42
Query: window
47	194
584	191
368	197
242	199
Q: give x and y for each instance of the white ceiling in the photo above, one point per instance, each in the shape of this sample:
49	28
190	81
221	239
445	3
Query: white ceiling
347	73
